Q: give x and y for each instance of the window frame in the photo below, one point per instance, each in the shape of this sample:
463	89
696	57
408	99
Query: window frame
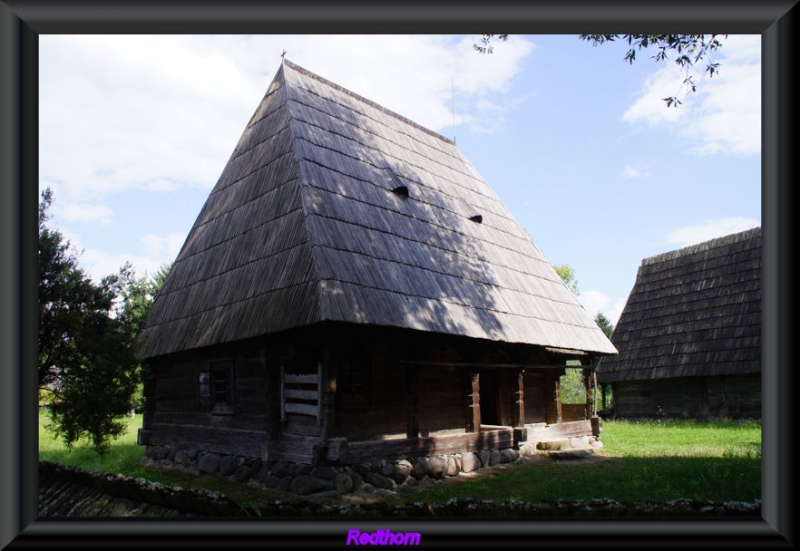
215	387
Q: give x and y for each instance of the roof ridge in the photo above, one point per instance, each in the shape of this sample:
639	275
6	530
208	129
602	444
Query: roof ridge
703	246
367	101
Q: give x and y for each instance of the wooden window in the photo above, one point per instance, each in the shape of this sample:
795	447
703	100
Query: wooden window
215	387
353	379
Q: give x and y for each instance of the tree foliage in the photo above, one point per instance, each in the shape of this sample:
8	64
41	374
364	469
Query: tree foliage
567	274
485	47
86	359
137	298
688	50
604	323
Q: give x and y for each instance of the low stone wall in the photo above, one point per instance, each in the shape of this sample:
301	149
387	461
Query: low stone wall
66	491
333	481
330	481
206	503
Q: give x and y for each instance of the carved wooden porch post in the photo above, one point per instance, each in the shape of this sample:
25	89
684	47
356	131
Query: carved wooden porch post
520	401
474	423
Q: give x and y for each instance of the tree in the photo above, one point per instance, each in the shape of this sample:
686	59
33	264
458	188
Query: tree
567	274
688	49
604	324
86	360
137	298
486	43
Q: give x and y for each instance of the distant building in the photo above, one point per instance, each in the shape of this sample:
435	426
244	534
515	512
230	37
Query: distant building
689	338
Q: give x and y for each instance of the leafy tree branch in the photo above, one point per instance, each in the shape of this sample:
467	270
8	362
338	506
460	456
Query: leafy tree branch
688	51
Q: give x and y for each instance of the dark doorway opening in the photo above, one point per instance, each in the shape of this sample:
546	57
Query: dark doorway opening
488	392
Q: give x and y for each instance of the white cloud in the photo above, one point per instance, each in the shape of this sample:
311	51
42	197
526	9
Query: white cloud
98	264
593	302
630	172
724	115
159	113
709	229
163	248
83	212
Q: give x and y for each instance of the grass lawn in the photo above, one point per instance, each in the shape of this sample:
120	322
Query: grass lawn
640	461
653	460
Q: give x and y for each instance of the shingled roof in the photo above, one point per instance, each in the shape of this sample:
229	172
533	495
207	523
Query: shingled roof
332	207
695	311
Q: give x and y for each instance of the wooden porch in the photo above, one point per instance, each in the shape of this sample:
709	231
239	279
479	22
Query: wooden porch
341	450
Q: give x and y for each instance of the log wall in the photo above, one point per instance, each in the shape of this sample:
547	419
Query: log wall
735	396
177	417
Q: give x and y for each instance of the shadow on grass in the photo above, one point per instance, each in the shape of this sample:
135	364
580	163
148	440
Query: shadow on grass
624	479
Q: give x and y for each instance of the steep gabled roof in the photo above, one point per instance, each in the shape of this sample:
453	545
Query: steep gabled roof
331	207
695	311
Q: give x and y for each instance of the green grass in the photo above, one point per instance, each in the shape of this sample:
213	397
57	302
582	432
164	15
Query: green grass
657	460
123	457
716	461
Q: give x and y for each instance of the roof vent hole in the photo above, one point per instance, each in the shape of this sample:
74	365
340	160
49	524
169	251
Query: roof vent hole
477	218
401	191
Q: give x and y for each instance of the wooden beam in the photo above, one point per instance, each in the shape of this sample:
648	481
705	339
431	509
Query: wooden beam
366	450
520	398
474	423
310	379
555	383
412	417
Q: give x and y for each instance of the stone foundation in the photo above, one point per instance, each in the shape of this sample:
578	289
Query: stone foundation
344	479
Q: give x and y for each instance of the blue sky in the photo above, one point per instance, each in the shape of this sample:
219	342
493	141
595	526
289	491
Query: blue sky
135	130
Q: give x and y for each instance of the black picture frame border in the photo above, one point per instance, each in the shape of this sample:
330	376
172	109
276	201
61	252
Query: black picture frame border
21	22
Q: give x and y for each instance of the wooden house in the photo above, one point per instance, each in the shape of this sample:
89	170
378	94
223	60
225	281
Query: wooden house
689	337
353	289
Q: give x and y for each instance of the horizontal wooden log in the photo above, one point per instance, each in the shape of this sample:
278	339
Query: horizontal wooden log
539	432
221	440
310	379
303	409
298	449
431	445
301	394
301	425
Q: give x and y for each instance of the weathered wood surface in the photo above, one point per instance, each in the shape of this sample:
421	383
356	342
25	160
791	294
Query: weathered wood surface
736	396
302	226
217	439
692	312
298	449
539	432
573	412
431	445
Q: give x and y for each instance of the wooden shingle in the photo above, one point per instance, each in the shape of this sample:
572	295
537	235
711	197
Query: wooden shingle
304	226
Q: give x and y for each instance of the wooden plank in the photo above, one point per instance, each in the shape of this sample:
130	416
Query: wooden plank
301	425
337	449
303	409
301	394
309	379
427	446
562	430
519	406
220	440
474	422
